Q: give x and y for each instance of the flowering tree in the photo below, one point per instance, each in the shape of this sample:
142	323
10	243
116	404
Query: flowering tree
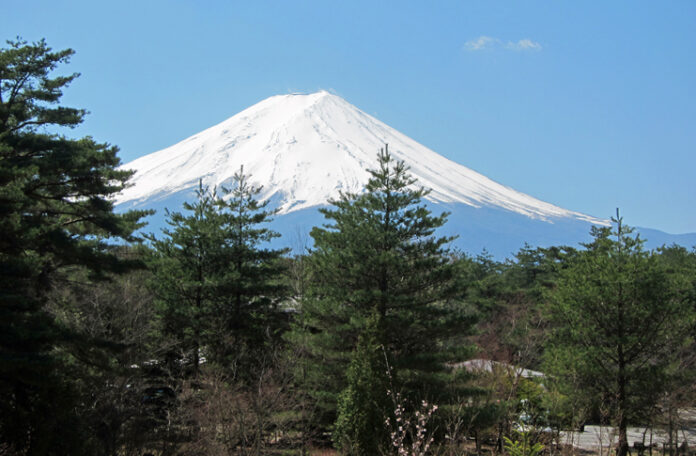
409	434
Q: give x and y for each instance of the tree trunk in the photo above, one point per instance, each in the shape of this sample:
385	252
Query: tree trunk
622	378
196	355
622	449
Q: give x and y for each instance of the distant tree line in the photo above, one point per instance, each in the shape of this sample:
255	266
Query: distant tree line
377	339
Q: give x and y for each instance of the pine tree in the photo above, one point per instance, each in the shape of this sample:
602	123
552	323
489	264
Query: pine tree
56	213
187	262
218	288
621	320
380	256
252	285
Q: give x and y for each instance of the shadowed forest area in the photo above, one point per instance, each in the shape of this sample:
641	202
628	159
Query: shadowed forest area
377	339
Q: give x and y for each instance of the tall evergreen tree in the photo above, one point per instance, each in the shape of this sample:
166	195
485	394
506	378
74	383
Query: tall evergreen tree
252	285
621	320
380	257
188	260
218	287
56	212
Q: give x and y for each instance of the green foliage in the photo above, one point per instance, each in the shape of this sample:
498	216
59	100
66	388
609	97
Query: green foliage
509	298
523	447
620	318
187	263
117	318
56	213
217	288
359	428
252	284
481	281
380	256
680	265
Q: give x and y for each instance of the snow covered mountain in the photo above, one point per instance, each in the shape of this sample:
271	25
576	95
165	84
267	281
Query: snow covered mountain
305	148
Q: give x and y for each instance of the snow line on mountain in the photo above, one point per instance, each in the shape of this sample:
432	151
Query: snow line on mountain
305	150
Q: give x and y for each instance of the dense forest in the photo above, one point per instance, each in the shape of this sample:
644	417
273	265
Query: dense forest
374	338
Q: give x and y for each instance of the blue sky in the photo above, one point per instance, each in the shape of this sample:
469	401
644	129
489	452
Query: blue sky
587	105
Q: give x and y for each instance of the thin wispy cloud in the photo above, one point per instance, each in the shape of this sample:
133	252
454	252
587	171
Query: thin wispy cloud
483	43
523	45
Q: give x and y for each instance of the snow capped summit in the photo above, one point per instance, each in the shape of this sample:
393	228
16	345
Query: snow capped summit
306	148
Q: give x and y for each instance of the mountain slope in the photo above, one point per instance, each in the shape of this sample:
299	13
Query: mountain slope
304	149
